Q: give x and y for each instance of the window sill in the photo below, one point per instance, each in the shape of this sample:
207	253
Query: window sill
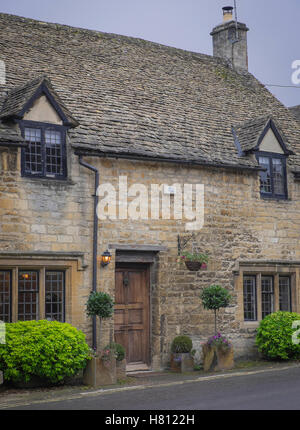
49	181
250	324
276	199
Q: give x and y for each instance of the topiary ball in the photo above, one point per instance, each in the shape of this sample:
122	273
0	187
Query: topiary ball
100	304
181	344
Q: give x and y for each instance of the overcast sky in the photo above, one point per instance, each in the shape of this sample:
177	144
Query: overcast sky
273	39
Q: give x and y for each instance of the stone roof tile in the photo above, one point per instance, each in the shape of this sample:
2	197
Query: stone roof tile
10	136
295	111
136	97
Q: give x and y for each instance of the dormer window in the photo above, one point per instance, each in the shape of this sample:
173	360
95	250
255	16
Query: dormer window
261	137
271	154
45	153
273	181
44	121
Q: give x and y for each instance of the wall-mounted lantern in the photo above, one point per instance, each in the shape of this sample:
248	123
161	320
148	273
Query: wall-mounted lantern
105	258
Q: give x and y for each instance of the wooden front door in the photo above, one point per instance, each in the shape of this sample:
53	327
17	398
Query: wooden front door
132	312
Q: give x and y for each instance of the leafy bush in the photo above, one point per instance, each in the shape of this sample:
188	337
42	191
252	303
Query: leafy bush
181	344
118	349
203	258
99	304
47	349
274	336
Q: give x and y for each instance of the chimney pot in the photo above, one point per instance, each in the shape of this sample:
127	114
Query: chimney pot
227	13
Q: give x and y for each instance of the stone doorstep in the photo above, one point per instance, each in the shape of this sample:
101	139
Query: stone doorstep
137	367
144	373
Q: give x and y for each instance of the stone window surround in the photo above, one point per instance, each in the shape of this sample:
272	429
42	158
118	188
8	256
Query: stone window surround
70	263
269	268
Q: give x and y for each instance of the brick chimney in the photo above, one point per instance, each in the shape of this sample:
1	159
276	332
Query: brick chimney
230	40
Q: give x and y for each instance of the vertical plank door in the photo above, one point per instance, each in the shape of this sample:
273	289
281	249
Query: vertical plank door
132	312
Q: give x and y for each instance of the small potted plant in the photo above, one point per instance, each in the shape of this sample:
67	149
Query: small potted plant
195	261
101	370
119	352
217	351
182	359
215	297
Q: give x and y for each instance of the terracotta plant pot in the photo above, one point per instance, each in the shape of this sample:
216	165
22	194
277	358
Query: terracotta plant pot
194	266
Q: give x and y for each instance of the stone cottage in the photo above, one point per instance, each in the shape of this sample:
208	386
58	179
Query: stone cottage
81	109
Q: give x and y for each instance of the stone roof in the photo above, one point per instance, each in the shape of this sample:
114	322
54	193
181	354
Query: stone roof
9	136
249	133
19	97
141	99
295	111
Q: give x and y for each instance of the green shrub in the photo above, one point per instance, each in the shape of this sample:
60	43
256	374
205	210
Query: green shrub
99	304
274	336
181	344
47	349
118	349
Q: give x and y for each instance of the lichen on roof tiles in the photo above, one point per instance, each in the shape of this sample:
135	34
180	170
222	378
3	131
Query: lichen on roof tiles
142	98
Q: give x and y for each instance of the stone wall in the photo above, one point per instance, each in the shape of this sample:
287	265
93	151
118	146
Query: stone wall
57	216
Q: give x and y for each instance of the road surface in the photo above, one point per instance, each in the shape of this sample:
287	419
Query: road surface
271	390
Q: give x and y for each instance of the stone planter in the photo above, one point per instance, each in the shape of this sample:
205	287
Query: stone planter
99	372
215	358
182	362
121	369
194	266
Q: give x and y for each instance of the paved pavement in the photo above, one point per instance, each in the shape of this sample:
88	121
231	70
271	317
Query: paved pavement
274	386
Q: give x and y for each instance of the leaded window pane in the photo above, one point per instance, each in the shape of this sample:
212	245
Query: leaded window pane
265	176
5	295
250	298
267	295
33	151
278	176
54	159
28	288
284	294
54	297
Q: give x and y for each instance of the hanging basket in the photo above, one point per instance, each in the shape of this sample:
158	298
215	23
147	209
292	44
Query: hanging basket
194	266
